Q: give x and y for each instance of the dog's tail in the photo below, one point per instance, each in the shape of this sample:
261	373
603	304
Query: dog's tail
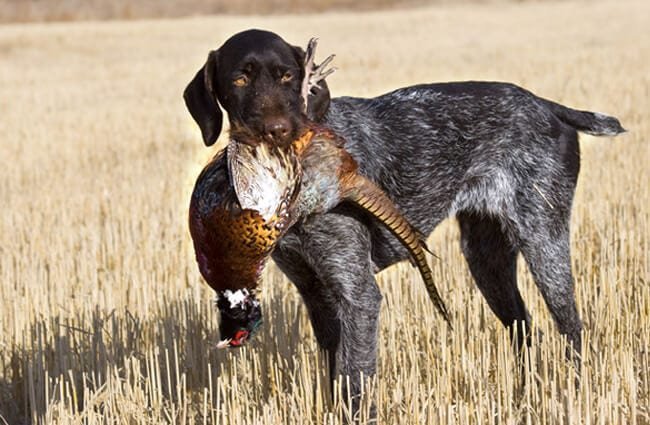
593	123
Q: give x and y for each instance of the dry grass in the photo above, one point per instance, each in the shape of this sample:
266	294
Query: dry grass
74	10
105	319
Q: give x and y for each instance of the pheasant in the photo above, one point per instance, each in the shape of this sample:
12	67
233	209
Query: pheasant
233	237
252	192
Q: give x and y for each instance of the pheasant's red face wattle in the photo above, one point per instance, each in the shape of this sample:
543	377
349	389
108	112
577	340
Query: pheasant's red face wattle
240	337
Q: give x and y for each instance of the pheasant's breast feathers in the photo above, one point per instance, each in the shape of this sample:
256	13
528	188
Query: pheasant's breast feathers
266	179
249	234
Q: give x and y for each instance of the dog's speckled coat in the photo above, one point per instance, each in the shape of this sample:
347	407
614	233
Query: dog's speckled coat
501	160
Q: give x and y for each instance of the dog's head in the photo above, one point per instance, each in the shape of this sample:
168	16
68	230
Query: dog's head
256	77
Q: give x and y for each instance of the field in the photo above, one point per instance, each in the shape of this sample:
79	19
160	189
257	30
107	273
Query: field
105	319
74	10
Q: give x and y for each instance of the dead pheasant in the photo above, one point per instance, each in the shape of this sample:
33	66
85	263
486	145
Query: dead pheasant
233	237
253	192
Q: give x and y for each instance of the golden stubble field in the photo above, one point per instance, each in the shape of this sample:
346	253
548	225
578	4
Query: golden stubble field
105	320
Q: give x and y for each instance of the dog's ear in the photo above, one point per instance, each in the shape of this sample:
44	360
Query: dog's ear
201	100
318	103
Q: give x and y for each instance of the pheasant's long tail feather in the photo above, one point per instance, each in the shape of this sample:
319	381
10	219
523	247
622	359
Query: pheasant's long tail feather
371	198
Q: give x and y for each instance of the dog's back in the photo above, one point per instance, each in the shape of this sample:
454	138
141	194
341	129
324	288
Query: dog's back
463	146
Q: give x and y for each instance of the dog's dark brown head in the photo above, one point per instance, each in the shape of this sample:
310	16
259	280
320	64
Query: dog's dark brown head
256	77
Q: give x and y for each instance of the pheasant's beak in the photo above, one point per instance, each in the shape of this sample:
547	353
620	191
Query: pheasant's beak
224	343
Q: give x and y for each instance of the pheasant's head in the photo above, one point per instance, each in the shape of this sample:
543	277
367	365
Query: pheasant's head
241	316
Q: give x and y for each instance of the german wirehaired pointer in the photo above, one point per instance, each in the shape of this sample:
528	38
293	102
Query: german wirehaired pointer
500	159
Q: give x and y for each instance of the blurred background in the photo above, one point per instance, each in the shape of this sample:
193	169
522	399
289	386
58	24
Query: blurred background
73	10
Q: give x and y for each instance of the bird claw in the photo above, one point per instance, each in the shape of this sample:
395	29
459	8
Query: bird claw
314	74
319	73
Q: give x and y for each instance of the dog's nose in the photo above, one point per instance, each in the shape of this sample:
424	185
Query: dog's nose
277	129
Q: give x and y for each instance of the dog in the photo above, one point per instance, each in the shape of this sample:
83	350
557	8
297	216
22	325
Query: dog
500	159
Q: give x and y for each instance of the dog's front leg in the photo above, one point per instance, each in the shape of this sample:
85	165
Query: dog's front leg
320	299
337	248
356	356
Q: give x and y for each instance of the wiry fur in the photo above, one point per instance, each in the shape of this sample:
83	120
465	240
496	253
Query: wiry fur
501	160
491	154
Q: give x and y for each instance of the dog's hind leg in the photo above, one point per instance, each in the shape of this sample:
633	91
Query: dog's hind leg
542	226
492	260
546	249
542	221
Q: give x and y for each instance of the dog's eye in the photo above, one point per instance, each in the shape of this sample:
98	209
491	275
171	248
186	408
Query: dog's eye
288	76
241	81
